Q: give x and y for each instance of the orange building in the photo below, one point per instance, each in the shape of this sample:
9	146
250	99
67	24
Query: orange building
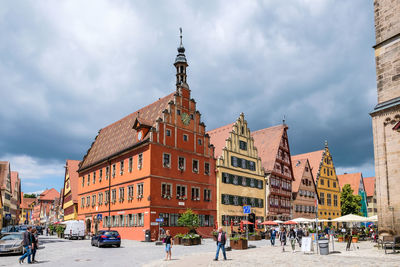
155	162
69	196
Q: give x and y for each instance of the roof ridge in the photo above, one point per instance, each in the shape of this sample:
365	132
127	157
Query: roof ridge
267	128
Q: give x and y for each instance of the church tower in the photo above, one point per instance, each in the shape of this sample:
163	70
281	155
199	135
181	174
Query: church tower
386	115
181	65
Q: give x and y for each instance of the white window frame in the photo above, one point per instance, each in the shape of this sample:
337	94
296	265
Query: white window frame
130	192
121	167
140	161
164	194
205	169
121	196
187	137
184	163
130	164
197	189
193	169
169	158
140	190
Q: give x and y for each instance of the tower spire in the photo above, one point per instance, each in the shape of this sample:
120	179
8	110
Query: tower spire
181	65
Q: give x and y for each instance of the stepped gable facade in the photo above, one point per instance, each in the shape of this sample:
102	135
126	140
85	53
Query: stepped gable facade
240	177
154	163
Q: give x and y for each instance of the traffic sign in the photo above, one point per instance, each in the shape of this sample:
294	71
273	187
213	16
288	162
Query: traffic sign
246	209
99	217
8	217
159	219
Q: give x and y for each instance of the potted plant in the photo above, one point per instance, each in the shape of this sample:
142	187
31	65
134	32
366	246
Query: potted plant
215	235
187	240
178	239
195	239
238	243
340	238
254	236
354	238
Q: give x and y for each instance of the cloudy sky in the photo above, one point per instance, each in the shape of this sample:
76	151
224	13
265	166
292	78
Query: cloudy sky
69	68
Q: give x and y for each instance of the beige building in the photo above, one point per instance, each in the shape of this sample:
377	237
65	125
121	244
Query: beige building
240	177
386	115
304	190
372	206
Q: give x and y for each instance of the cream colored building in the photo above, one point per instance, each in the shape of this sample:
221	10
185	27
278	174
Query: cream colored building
240	177
386	115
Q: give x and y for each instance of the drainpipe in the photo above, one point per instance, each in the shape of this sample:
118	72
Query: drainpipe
109	194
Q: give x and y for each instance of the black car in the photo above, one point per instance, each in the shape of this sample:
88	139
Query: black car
106	238
39	229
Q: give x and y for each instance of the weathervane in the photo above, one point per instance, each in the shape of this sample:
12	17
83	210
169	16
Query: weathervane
180	29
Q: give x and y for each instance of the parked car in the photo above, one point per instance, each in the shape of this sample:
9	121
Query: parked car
74	229
106	238
39	229
11	243
10	229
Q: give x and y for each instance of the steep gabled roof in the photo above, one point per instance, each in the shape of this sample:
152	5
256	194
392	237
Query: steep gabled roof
26	202
267	143
314	158
72	169
298	172
14	179
369	183
353	179
120	135
218	138
50	194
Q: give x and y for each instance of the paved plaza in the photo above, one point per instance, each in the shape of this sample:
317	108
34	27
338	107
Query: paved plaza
59	252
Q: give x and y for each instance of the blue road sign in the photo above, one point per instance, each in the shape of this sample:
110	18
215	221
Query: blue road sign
159	219
8	217
99	217
246	209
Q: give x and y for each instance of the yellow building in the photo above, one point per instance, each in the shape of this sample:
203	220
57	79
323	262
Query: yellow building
27	205
70	192
326	180
240	177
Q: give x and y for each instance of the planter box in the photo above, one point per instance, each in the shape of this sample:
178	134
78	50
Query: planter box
187	241
239	244
354	240
340	239
254	237
196	241
177	240
215	237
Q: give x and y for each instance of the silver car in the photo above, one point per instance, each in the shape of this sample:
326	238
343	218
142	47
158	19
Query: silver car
11	243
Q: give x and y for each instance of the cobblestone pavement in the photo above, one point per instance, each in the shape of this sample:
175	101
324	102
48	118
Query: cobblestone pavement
59	252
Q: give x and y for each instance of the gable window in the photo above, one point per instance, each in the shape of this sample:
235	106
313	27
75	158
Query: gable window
181	163
242	145
139	189
334	184
113	171
181	192
206	168
207	195
140	161
195	166
306	168
130	164
121	167
185	137
166	190
331	172
322	198
328	183
322	181
242	130
168	132
335	200
130	192
121	194
195	193
166	160
107	172
100	175
113	195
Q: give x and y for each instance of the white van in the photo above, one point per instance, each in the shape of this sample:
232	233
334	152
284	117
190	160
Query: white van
74	229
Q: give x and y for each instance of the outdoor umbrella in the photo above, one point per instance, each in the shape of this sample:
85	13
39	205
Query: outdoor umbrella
278	221
246	222
350	218
290	222
373	218
302	220
269	223
241	226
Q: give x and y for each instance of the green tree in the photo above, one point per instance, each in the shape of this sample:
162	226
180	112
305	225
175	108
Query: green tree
189	219
29	195
350	204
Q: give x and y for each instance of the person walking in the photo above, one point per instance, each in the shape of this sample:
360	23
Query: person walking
34	244
221	240
300	235
282	238
168	245
27	243
292	238
273	236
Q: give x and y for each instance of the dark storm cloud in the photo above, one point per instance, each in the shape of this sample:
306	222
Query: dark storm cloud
71	68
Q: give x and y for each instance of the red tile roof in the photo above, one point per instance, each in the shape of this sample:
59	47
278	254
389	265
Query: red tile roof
120	135
218	138
369	183
353	179
4	171
298	171
26	202
14	179
314	158
72	168
267	143
49	194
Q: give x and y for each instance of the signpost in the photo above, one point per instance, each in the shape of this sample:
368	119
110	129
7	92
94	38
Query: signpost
99	217
159	220
247	211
